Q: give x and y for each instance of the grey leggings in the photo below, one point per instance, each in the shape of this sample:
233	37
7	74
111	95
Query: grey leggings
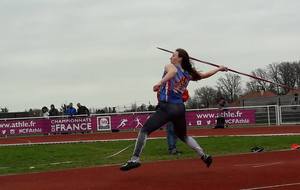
165	113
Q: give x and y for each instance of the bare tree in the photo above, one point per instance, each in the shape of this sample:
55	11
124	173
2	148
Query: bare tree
251	86
273	72
261	73
256	85
4	110
297	70
193	103
206	95
288	75
284	73
230	86
134	107
142	108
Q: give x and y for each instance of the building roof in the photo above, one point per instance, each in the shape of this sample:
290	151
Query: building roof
292	92
258	94
253	95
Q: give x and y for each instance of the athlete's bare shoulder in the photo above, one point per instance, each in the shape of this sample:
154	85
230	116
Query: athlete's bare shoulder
170	67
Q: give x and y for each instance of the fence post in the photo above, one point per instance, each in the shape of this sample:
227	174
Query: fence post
278	115
268	111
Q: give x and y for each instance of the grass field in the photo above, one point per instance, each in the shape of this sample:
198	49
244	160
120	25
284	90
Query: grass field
25	159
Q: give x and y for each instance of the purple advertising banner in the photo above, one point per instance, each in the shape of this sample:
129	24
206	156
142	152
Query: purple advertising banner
193	118
116	122
23	127
71	124
232	117
129	121
46	126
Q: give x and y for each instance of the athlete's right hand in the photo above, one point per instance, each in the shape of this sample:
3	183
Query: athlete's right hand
157	87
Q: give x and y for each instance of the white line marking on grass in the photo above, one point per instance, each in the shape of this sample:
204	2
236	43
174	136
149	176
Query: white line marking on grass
119	152
57	163
53	163
273	186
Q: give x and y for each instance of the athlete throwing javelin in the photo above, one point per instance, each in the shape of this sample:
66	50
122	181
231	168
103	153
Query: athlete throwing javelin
171	108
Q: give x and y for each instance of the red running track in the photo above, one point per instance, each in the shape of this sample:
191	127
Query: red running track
272	170
284	130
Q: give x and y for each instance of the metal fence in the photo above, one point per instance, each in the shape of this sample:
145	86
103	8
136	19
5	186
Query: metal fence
269	115
289	114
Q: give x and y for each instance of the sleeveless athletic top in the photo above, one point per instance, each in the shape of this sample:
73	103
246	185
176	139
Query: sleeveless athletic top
172	90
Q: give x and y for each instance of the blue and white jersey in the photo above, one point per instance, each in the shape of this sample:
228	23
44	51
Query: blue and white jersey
172	90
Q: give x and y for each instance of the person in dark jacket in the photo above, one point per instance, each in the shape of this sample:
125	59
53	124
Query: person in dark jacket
82	110
53	111
221	118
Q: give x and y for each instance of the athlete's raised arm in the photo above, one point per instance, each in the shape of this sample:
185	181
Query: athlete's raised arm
171	71
212	72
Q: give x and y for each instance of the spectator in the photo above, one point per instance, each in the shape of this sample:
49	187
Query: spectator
45	112
222	104
295	100
63	108
53	111
70	110
221	119
82	110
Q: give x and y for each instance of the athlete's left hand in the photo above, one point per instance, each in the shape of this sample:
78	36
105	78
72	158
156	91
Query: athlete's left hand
223	68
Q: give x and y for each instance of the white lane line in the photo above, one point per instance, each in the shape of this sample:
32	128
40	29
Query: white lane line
257	165
242	165
267	164
272	186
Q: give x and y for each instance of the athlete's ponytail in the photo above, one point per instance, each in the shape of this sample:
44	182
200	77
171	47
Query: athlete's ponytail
186	64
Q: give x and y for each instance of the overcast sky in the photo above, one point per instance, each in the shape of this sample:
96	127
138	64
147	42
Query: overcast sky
103	52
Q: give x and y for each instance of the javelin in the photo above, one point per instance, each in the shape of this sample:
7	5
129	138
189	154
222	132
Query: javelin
234	71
